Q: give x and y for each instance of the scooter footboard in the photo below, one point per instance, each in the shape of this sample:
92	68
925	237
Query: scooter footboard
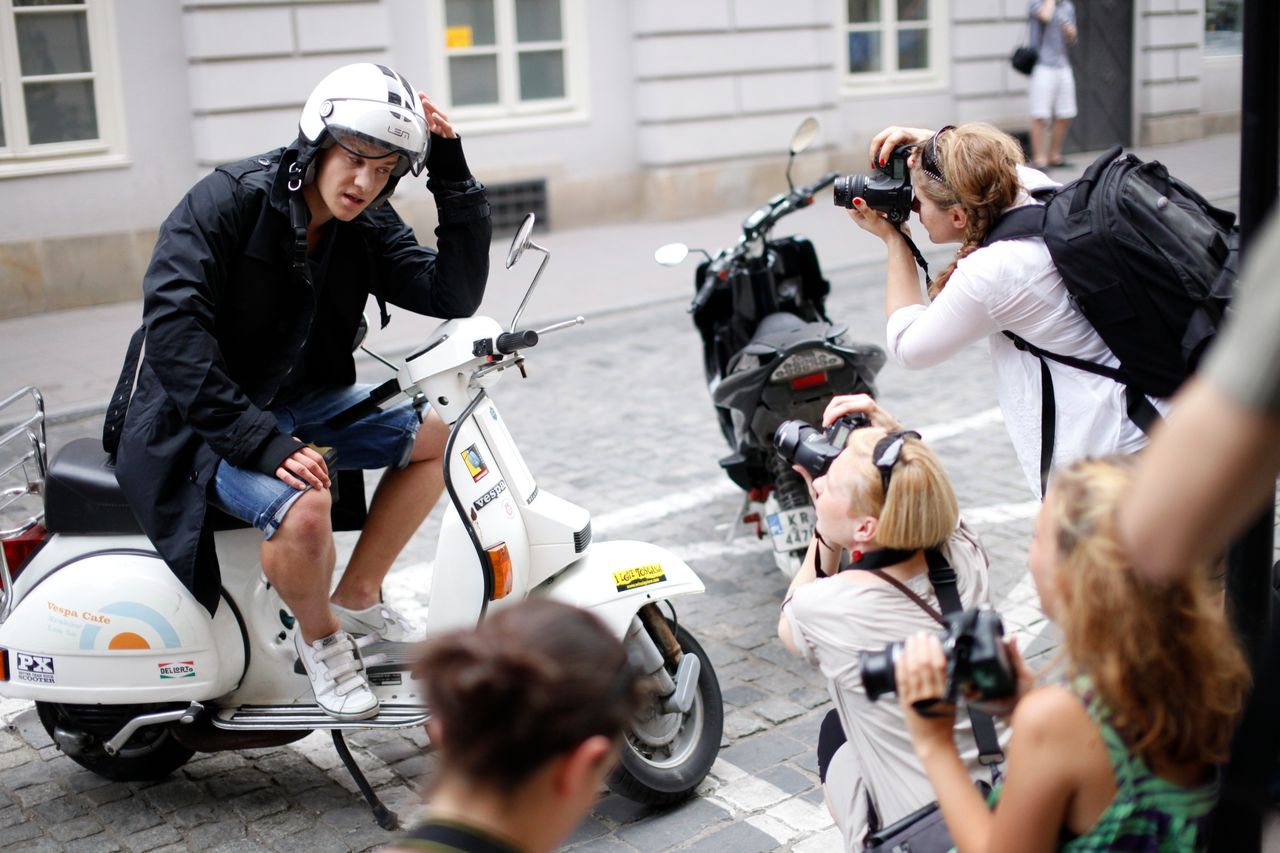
615	579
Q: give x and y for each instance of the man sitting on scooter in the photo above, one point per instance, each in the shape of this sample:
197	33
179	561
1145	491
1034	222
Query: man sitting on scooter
252	300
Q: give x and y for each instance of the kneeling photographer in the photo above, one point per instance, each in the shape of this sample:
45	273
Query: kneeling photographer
884	498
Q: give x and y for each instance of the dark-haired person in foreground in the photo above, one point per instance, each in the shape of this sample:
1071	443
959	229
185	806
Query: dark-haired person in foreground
528	712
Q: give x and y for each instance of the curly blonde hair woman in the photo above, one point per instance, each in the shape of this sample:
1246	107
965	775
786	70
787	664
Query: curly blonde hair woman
1121	754
964	179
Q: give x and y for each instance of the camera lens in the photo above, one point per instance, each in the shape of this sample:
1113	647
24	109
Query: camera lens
848	188
787	439
878	676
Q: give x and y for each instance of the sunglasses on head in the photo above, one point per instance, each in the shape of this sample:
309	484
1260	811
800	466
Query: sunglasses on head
929	155
886	453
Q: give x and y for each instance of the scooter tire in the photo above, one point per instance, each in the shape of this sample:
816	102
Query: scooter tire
151	754
650	780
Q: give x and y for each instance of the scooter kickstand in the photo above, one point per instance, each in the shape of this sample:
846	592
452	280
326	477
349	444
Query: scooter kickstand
737	518
386	818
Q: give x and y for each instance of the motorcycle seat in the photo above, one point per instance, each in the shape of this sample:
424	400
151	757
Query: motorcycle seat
81	494
782	329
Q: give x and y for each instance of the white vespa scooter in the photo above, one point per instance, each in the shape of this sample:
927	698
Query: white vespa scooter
131	676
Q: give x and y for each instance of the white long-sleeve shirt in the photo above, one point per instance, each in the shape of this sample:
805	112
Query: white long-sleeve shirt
1014	285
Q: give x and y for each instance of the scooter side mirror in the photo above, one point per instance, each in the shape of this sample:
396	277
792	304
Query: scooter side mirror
671	254
804	135
520	242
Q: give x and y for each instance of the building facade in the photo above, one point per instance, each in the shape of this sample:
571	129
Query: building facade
589	112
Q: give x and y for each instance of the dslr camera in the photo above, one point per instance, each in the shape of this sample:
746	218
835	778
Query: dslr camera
978	664
887	189
813	449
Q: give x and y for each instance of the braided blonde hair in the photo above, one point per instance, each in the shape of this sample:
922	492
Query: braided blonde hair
979	163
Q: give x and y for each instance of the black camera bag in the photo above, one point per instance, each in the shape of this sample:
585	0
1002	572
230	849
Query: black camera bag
1150	263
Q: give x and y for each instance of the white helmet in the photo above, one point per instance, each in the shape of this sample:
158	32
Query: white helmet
371	111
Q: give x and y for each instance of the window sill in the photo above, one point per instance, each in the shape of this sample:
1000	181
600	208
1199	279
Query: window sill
29	168
877	85
481	125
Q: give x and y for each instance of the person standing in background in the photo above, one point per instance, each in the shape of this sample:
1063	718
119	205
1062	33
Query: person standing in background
1052	89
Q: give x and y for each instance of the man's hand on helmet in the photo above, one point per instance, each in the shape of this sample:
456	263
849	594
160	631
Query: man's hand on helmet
437	121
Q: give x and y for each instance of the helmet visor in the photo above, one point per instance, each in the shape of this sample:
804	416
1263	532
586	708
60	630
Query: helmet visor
376	129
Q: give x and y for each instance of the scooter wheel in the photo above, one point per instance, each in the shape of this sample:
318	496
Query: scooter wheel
80	731
668	773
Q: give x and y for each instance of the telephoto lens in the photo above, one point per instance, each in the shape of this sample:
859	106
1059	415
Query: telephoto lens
848	188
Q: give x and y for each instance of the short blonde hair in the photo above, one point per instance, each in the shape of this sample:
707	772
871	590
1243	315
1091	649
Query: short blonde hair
921	509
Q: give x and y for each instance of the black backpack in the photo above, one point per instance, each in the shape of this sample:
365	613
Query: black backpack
1151	265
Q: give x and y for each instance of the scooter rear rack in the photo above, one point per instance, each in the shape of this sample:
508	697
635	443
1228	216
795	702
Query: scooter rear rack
277	717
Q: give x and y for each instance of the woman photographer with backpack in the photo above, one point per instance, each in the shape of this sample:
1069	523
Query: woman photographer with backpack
1121	754
885	499
964	178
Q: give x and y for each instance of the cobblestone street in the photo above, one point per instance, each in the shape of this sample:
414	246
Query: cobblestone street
613	416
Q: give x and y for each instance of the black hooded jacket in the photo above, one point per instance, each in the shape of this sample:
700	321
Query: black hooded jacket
230	325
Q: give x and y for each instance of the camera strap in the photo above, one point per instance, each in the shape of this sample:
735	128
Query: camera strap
945	585
915	252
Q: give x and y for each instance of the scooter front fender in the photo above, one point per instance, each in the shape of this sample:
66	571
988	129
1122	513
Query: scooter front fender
118	627
615	579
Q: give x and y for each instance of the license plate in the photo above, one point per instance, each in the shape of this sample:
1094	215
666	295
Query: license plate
791	528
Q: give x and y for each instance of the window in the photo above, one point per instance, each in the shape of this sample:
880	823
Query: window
1222	33
512	58
891	40
55	77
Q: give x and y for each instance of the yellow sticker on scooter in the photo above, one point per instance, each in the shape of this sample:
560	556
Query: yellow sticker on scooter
475	463
639	576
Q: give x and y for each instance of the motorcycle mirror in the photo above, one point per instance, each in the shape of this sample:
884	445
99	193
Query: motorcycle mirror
520	242
800	140
804	135
671	254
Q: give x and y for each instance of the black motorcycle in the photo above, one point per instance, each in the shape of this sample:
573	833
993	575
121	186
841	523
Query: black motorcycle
771	354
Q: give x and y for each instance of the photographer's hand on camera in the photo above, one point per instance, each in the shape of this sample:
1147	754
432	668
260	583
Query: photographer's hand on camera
885	141
921	675
858	404
877	223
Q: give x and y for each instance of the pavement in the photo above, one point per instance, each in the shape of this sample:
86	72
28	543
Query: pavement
613	417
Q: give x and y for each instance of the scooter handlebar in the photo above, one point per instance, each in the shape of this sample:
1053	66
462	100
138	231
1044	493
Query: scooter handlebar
510	342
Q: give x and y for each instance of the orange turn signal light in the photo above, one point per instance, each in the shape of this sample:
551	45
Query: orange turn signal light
500	560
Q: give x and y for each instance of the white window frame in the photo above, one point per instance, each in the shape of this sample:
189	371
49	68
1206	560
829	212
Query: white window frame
510	113
932	78
19	158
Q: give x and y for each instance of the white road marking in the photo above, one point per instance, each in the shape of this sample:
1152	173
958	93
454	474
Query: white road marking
782	816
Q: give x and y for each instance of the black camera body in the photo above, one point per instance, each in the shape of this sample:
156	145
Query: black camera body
978	664
887	189
812	449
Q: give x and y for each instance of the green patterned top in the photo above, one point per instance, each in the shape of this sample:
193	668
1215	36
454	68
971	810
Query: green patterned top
1148	814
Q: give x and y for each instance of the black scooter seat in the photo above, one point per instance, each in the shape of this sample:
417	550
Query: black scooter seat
782	330
81	494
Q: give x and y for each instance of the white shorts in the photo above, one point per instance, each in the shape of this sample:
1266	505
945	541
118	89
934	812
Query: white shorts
1053	92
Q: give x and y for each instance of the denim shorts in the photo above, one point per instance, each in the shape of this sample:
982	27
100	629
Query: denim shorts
381	440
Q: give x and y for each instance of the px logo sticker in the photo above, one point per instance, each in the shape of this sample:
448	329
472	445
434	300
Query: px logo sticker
37	669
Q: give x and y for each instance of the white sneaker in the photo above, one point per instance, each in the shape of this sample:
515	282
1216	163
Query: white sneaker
381	619
338	680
